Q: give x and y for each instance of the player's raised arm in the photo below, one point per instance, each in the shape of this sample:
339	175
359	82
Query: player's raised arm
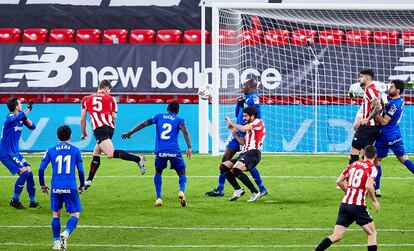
43	165
29	124
183	128
138	127
236	135
29	107
242	128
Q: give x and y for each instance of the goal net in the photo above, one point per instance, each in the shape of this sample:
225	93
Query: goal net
305	58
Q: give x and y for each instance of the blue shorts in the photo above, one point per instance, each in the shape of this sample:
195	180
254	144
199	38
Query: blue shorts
233	143
13	162
383	146
69	196
176	161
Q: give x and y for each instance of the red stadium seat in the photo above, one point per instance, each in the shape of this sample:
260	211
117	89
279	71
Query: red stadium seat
151	100
61	36
109	36
226	37
42	100
299	37
9	35
142	36
358	37
179	100
408	37
386	37
88	36
194	37
250	37
35	36
256	25
127	100
168	37
276	37
331	37
68	100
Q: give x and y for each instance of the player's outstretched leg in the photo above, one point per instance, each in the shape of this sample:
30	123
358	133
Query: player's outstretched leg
56	232
140	160
31	190
158	187
18	188
258	179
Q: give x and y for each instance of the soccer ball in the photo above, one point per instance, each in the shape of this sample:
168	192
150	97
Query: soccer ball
204	92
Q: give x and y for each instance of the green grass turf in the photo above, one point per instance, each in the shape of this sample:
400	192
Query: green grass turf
293	202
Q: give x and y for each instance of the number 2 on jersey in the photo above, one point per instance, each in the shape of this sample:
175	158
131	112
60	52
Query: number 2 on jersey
167	129
59	160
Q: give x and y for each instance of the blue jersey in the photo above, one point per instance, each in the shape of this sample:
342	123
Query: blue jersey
251	99
12	129
394	109
168	128
65	158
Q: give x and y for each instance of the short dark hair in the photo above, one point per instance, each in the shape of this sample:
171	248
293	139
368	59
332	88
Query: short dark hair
105	84
399	84
370	152
250	110
368	72
12	103
173	107
251	82
64	132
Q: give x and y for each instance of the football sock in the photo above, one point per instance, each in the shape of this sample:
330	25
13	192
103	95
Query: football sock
158	184
353	158
121	154
230	177
18	186
324	244
71	224
410	165
372	248
378	178
182	180
95	163
246	181
31	188
221	181
56	228
256	176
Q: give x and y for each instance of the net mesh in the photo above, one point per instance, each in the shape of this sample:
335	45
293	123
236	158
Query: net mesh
305	62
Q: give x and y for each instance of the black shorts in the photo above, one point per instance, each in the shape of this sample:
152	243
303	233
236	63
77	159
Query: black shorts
349	213
250	158
102	133
365	135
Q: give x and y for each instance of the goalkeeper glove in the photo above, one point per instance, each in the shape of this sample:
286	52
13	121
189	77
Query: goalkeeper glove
240	101
351	95
30	105
409	84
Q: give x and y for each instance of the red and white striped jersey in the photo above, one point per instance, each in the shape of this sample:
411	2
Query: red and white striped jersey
101	107
370	93
358	174
255	137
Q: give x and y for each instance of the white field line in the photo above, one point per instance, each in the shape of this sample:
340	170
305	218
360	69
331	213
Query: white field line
215	177
210	228
202	246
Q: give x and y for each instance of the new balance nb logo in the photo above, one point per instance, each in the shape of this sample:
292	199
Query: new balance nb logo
50	69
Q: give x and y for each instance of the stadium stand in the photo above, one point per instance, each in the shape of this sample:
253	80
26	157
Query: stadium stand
299	37
386	37
276	37
68	100
358	37
331	37
250	37
151	100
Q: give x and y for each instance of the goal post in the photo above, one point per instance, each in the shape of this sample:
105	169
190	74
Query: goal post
305	57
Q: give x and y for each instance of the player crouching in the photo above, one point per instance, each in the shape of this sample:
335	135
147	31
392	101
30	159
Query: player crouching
249	156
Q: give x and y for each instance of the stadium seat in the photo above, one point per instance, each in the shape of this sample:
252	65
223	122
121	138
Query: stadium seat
299	37
168	37
42	100
386	37
179	100
151	100
68	100
142	36
356	37
194	37
88	36
61	36
276	37
226	37
256	24
109	36
331	37
9	35
250	37
35	36
408	37
127	100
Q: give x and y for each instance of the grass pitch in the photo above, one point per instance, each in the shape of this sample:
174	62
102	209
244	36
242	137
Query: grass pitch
299	211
